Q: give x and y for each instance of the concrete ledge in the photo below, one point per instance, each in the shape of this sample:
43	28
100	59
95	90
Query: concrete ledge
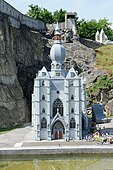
45	151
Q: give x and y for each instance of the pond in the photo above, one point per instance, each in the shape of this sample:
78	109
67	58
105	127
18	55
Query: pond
81	162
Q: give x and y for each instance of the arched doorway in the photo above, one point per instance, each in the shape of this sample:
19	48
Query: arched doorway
58	130
57	105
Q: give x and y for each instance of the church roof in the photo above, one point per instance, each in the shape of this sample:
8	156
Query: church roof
72	73
43	73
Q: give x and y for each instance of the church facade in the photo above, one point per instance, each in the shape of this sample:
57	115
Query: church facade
59	100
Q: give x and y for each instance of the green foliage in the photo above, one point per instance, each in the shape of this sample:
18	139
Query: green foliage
44	15
88	29
40	14
59	16
102	83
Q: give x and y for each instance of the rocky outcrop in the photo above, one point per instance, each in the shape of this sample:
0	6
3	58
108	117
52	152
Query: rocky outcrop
21	56
106	97
83	59
90	43
109	107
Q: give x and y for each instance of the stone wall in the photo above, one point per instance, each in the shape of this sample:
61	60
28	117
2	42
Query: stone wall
22	54
19	17
90	43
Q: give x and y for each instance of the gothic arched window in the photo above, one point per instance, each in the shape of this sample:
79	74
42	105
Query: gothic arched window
43	123
71	83
72	123
57	66
72	74
43	97
72	97
43	83
53	66
72	110
57	106
43	73
43	110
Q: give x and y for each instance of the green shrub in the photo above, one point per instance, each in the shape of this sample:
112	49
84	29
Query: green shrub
103	83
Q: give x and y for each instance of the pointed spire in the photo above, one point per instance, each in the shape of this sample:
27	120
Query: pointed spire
102	31
57	30
97	33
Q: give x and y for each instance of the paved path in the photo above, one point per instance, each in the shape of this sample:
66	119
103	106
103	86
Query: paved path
24	137
19	135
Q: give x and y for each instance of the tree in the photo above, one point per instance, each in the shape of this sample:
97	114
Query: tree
40	14
44	15
34	11
88	29
59	16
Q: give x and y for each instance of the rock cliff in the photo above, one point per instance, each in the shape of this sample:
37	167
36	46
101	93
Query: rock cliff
21	56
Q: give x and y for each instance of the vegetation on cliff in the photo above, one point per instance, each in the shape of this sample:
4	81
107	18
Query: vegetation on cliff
103	84
104	59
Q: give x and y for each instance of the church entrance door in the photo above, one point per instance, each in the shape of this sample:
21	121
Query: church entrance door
56	135
58	130
60	135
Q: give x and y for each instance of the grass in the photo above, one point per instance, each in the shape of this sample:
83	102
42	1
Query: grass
104	58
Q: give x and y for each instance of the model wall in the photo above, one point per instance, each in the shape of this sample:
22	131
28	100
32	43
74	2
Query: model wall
23	19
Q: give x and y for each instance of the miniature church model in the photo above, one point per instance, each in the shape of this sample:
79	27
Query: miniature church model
58	99
101	37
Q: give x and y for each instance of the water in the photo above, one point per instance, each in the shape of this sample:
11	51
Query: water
93	162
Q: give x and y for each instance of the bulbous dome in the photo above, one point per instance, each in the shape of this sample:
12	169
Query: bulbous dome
58	53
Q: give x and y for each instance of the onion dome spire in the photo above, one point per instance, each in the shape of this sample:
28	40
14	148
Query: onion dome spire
57	53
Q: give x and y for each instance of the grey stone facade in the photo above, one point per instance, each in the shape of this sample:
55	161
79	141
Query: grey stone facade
58	100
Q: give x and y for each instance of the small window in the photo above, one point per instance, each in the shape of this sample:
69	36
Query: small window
58	74
43	123
57	66
43	110
72	110
72	74
43	97
71	83
43	74
57	92
53	66
43	83
72	123
72	97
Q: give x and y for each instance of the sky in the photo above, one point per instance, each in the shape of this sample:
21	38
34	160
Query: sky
87	9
